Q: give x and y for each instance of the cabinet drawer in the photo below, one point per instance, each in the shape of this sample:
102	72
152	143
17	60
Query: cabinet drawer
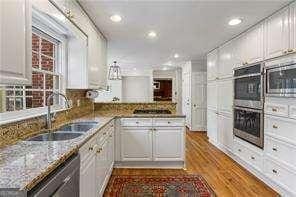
169	122
240	150
280	174
135	122
87	149
292	112
284	128
281	150
277	109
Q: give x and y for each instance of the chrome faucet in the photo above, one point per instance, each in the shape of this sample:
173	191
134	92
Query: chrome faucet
48	117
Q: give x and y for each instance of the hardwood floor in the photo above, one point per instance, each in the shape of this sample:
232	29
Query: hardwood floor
225	176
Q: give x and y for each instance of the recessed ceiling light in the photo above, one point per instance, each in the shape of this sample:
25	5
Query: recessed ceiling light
234	21
176	55
152	34
115	18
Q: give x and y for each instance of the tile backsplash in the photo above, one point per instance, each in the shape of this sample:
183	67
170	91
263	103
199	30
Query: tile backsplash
12	132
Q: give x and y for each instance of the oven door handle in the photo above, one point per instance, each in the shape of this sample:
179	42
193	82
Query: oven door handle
248	109
250	75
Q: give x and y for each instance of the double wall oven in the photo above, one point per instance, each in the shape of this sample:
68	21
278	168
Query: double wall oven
248	103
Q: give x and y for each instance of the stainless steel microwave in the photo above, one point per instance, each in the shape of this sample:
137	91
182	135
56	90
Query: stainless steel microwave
281	79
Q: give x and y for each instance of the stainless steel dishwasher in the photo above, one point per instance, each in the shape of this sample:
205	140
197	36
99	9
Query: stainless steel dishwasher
63	182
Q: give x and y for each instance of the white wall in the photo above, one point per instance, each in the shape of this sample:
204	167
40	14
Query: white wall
136	89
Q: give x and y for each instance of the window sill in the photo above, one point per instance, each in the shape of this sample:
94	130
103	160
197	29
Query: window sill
14	116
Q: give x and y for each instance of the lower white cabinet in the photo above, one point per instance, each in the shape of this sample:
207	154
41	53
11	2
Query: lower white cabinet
136	144
225	125
168	144
212	126
97	159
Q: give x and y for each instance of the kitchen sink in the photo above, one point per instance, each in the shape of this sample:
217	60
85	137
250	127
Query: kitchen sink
55	136
77	127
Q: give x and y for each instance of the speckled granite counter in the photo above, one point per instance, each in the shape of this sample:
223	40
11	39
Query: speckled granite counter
26	163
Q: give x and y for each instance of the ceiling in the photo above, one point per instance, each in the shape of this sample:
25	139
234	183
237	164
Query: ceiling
189	28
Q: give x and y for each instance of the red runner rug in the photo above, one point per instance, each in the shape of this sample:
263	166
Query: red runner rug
158	186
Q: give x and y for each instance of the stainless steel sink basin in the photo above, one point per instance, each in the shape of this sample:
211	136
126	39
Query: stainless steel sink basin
55	136
77	127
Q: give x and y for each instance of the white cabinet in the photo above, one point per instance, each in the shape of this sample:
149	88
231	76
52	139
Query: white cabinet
212	65
254	45
277	34
136	144
226	60
168	144
212	126
87	179
225	125
16	42
225	95
293	26
212	95
102	167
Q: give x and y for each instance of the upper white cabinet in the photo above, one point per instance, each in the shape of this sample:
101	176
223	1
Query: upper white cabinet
226	60
212	65
277	34
225	95
16	44
253	45
293	26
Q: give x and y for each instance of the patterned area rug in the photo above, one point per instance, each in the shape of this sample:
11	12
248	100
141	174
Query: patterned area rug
158	186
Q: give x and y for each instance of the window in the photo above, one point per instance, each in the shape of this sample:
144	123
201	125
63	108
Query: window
45	77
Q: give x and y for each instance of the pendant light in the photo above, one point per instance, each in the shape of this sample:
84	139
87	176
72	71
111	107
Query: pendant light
114	72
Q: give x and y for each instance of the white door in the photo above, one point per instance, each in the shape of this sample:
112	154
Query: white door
212	65
168	144
225	95
16	42
212	126
254	48
88	178
277	34
225	125
136	144
212	95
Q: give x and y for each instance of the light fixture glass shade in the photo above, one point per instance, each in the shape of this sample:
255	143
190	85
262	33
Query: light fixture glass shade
114	72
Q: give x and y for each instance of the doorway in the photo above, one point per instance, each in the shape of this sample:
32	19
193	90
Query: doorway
162	89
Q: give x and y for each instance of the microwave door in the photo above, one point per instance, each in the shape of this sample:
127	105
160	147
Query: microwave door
281	81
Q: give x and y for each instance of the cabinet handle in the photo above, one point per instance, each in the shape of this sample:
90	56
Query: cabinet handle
285	51
239	150
274	109
290	50
110	135
99	150
274	149
253	158
104	133
169	122
274	126
91	148
274	171
137	122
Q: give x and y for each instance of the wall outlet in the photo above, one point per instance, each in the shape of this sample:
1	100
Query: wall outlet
78	102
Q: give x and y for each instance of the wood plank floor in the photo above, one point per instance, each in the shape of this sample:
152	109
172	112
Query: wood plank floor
225	176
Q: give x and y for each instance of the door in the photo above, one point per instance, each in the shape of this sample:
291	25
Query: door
225	125
136	144
212	65
212	126
16	42
88	178
168	144
254	47
277	34
102	166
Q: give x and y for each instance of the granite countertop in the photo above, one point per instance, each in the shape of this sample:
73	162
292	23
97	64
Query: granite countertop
26	163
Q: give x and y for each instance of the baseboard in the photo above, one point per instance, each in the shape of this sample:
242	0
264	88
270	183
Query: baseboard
150	164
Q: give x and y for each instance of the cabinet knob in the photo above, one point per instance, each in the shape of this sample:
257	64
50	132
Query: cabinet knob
274	109
253	158
91	148
285	51
99	150
169	122
239	150
274	126
137	122
274	149
110	135
290	50
274	171
104	133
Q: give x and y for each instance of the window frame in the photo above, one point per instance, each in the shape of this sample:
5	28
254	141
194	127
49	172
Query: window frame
49	30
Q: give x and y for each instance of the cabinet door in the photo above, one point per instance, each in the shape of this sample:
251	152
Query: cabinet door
111	150
16	42
226	60
277	34
101	167
212	65
199	119
237	53
293	26
136	144
225	125
212	126
168	144
225	95
212	95
254	47
87	178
